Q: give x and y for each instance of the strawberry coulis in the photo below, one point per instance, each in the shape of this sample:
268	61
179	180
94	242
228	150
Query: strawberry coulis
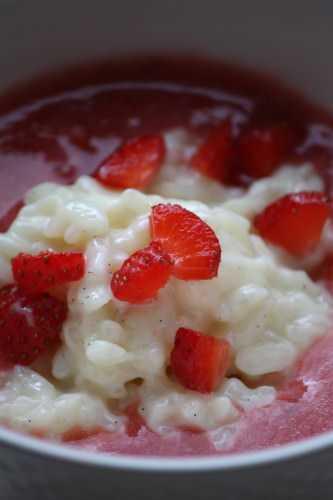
63	125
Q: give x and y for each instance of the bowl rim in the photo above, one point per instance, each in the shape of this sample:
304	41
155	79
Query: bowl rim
157	464
184	464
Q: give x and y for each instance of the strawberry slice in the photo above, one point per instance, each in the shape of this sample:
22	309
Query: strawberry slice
134	164
294	222
214	156
29	326
142	275
262	150
198	361
190	242
38	273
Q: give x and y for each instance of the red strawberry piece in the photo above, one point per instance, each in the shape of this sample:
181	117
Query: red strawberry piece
134	164
142	275
198	361
262	150
294	222
190	242
29	325
214	156
38	273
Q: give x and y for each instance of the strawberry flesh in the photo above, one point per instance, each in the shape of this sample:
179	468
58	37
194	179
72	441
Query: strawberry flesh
214	156
198	361
142	275
262	150
190	242
294	222
134	164
29	326
38	273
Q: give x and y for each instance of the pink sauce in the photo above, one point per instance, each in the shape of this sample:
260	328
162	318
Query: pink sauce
304	408
62	126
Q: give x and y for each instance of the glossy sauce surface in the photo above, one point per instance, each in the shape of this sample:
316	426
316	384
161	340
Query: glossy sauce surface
62	126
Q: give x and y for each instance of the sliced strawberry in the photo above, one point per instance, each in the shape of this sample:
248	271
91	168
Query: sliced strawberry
214	156
142	275
198	361
38	273
134	164
29	326
190	242
294	222
262	150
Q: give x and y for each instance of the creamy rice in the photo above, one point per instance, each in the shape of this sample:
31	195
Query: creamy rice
261	301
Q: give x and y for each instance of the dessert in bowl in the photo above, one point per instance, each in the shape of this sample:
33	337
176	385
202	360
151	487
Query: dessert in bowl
165	260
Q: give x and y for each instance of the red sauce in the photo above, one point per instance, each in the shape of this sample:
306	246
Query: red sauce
61	126
303	408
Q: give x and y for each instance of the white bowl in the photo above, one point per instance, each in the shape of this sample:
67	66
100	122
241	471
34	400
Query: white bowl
293	41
